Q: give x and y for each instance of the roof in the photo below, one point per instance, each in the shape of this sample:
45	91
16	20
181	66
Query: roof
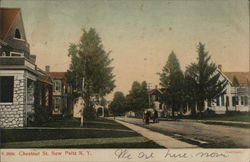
44	77
242	77
160	90
8	16
59	75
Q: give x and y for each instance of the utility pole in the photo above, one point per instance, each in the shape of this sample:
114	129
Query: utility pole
83	90
149	100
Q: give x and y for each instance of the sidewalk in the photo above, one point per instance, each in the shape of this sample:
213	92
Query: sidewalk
158	138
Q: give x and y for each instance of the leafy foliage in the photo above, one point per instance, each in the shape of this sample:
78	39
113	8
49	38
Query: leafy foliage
42	112
91	65
202	80
137	99
235	81
118	105
172	79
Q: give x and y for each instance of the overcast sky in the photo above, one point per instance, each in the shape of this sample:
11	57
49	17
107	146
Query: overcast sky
140	34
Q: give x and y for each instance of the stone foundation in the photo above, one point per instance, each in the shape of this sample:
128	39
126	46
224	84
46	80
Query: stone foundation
13	114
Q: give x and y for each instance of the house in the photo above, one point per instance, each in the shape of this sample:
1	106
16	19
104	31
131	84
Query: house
156	98
79	107
18	72
62	94
236	97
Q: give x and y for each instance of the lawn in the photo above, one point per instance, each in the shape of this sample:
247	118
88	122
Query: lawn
100	133
243	117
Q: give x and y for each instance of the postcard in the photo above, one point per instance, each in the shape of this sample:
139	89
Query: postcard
124	80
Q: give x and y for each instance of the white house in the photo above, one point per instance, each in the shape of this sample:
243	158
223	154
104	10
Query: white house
79	106
236	97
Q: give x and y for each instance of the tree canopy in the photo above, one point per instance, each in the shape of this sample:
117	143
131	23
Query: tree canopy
172	79
203	79
137	99
118	104
90	70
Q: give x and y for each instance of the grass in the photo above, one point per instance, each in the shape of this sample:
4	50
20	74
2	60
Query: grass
228	124
74	123
100	133
86	142
242	117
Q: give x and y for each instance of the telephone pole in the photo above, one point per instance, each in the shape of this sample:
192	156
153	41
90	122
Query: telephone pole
149	100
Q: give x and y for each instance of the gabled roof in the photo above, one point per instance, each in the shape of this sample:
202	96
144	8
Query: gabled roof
160	90
60	75
8	16
242	77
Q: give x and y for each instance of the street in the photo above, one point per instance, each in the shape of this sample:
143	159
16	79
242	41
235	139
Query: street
204	135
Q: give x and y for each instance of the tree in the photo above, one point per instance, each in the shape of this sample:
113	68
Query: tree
172	79
203	79
235	81
118	104
90	70
137	99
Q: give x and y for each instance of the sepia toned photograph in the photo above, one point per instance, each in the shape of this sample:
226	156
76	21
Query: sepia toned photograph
124	75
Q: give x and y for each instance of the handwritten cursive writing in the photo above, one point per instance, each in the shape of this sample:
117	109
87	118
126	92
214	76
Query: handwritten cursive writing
123	154
176	155
211	155
143	155
169	154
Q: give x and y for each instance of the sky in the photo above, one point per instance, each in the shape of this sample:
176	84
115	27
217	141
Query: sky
140	33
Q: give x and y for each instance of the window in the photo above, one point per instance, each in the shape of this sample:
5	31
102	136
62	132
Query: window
153	97
218	101
5	53
6	88
56	104
17	34
242	100
246	101
235	100
222	101
57	85
16	54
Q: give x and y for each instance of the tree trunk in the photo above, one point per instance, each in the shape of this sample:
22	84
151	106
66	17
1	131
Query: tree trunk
81	120
173	110
201	108
193	109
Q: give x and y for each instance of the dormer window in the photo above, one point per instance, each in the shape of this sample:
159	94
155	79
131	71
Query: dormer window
17	34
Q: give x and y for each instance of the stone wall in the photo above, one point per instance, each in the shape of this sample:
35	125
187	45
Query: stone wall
13	114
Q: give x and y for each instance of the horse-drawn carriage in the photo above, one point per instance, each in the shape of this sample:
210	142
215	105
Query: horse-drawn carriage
150	114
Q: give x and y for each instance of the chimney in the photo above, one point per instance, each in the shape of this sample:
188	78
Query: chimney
220	67
47	67
156	86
